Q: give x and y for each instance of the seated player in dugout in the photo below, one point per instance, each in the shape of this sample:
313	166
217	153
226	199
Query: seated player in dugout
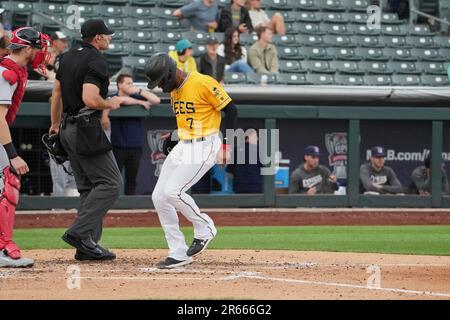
311	177
421	179
197	101
376	178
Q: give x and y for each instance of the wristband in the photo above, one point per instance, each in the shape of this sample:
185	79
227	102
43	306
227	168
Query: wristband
10	150
225	146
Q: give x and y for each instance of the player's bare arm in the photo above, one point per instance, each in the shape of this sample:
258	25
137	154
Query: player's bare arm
55	107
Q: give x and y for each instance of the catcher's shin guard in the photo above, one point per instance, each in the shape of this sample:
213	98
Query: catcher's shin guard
8	201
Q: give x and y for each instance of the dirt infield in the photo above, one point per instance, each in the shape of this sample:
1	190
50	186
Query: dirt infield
250	217
235	274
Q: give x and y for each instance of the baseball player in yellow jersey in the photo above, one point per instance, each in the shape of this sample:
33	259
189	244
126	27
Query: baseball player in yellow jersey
197	101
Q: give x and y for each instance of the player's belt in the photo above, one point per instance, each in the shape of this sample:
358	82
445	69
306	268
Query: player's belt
194	140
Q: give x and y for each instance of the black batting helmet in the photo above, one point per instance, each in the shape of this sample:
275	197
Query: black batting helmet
160	70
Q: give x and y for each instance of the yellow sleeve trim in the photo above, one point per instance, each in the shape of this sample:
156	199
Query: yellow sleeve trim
223	105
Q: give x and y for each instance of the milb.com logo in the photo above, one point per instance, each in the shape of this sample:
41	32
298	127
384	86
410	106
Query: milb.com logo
393	155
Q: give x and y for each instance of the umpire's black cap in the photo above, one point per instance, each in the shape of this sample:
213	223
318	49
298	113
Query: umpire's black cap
94	27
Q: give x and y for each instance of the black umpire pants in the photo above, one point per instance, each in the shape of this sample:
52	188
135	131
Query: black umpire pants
98	182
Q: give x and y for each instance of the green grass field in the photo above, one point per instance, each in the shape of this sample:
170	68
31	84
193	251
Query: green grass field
424	240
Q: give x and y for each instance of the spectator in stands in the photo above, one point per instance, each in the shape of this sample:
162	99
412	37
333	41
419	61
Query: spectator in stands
235	15
421	179
247	176
260	18
183	56
401	7
210	62
311	177
201	15
235	55
127	133
263	55
376	178
59	42
4	41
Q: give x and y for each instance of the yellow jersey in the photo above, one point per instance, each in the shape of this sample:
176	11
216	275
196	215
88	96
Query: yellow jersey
188	66
197	103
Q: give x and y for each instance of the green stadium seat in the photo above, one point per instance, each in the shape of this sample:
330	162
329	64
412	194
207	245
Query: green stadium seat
173	24
199	50
338	40
434	80
139	12
390	18
136	65
116	23
429	67
248	39
399	54
87	10
110	11
198	37
235	78
346	67
420	42
290	28
336	28
333	17
310	40
164	13
344	54
362	29
141	36
164	47
318	66
144	3
172	3
117	2
256	78
292	79
357	5
308	16
375	67
404	67
430	54
349	80
442	41
419	30
50	8
118	49
371	54
50	24
290	66
306	5
378	80
393	30
289	53
393	41
284	40
331	5
309	28
88	1
283	5
169	36
18	7
315	53
119	35
356	17
143	24
320	79
289	16
142	49
366	41
406	80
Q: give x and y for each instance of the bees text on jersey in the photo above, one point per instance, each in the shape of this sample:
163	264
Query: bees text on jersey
197	103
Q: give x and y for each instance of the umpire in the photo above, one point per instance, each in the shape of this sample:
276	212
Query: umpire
78	98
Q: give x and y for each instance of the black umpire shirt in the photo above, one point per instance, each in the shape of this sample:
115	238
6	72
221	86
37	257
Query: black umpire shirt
79	66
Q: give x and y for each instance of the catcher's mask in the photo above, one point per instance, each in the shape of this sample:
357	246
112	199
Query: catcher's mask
55	150
161	71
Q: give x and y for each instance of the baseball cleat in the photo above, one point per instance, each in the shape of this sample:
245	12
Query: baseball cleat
197	247
80	256
8	262
170	263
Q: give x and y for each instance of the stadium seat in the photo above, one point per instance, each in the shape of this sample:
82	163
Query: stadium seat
18	7
404	67
143	24
393	41
88	1
419	30
256	78
50	8
346	67
429	67
356	17
110	11
144	3
290	66
318	66
290	28
308	16
420	42
366	41
283	5
141	36
87	10
357	5
136	65
378	80
349	80
320	79
315	53
169	36
142	49
173	24
289	16
118	49
172	3
310	40
116	23
309	28
362	29
289	53
284	40
375	67
199	50
331	5
371	54
393	30
336	28
164	13
333	17
406	80
117	2
139	12
442	41
235	78
344	54
399	54
430	54
119	35
292	79
164	47
196	37
434	80
338	40
248	39
445	52
306	5
390	18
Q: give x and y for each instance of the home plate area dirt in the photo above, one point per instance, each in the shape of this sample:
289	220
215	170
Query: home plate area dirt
230	274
